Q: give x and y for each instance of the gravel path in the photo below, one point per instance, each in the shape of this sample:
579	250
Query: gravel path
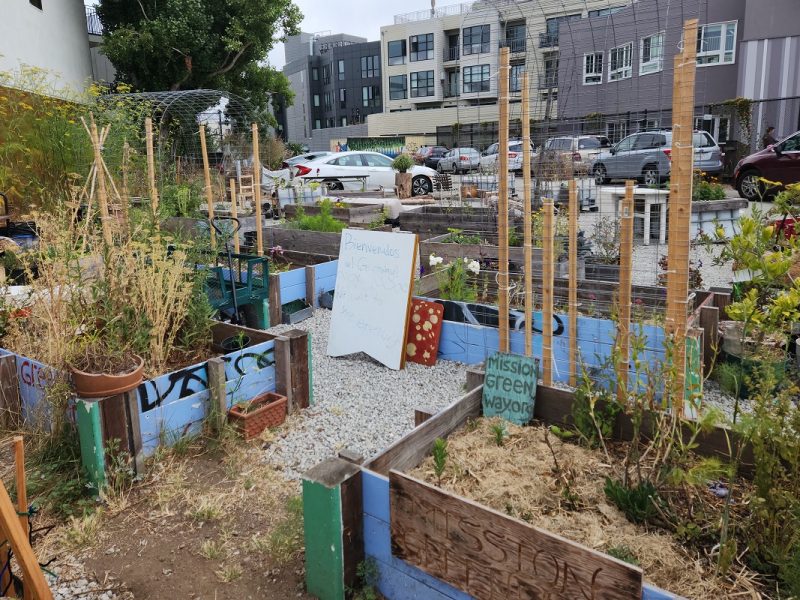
358	403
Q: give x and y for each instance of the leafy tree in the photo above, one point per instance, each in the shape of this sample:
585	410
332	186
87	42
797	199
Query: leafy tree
158	45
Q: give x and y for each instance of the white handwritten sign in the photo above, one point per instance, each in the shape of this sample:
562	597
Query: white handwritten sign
373	293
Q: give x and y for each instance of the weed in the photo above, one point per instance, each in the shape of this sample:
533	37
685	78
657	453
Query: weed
229	573
207	508
439	457
624	554
368	575
211	549
286	539
82	531
637	502
499	433
323	221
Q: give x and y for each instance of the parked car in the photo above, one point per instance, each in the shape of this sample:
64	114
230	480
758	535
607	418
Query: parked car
434	156
425	151
300	159
581	149
375	166
779	162
490	156
645	156
459	160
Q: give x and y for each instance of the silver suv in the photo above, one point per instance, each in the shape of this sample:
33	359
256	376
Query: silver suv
646	157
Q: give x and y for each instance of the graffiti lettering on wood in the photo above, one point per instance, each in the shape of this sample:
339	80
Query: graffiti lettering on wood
494	557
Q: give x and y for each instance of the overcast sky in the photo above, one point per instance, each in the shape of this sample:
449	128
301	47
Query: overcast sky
356	17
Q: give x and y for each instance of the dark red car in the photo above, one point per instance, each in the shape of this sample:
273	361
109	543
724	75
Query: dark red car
779	162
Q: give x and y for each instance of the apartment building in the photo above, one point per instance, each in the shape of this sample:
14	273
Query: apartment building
441	65
337	84
616	71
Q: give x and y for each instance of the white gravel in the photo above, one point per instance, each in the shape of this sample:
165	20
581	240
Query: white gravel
358	403
72	582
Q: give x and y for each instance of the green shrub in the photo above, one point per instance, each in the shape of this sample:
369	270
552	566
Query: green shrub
636	502
402	163
323	221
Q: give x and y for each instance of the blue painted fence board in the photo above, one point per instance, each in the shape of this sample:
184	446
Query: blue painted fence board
172	420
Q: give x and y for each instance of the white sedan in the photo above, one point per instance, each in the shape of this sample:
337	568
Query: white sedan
376	167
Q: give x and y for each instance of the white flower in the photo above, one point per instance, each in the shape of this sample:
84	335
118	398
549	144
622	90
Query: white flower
435	260
466	260
474	266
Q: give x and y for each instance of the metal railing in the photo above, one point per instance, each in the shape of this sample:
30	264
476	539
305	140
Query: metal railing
93	24
451	91
548	40
548	81
515	45
451	53
451	10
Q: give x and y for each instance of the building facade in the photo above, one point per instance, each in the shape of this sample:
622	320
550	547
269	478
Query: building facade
337	84
441	65
616	71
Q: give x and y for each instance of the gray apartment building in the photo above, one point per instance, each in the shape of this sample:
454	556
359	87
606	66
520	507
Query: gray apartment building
337	83
616	71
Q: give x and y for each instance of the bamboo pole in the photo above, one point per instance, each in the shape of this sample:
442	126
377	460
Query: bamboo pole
625	279
526	211
547	292
151	168
573	283
257	192
125	196
102	192
234	214
22	495
680	208
207	179
502	204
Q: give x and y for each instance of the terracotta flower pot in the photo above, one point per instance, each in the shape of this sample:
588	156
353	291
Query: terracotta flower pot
101	385
253	417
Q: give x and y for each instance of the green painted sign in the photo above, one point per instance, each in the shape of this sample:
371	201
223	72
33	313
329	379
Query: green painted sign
509	390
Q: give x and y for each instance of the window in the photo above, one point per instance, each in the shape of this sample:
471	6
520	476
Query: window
619	62
420	47
371	95
398	87
36	3
476	79
616	130
326	74
315	74
422	84
552	28
397	52
317	124
342	98
316	99
593	68
604	12
716	44
370	66
550	70
651	54
341	70
331	122
327	98
515	78
344	121
476	39
791	144
376	160
351	160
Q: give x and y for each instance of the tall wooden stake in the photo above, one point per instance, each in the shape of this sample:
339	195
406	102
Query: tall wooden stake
207	178
257	192
573	283
102	191
151	168
125	196
625	278
234	214
526	212
680	209
502	204
547	292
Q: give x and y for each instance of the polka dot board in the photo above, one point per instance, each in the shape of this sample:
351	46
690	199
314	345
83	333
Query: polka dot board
424	332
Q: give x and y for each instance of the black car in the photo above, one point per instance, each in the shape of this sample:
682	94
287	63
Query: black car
434	156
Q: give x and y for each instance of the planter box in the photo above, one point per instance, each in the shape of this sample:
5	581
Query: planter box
354	213
438	219
296	311
707	215
450	251
601	271
314	242
270	412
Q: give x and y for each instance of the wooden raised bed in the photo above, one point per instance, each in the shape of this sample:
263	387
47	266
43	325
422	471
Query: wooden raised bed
436	220
707	215
312	242
351	214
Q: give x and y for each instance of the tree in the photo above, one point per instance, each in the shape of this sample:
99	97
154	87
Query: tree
158	45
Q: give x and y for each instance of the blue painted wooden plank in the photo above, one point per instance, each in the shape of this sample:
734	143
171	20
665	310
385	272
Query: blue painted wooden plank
173	420
326	284
293	292
394	584
375	494
650	592
293	277
377	539
249	359
251	385
327	269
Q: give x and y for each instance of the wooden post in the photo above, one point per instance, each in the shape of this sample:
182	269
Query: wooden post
102	191
502	204
209	191
625	280
421	415
151	168
234	214
218	407
475	377
275	315
257	192
311	285
283	370
526	212
135	430
125	196
573	283
10	409
547	293
301	384
11	529
22	496
680	209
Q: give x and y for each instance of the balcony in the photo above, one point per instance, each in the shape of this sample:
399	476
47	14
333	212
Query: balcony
548	40
514	45
93	24
548	81
451	91
451	53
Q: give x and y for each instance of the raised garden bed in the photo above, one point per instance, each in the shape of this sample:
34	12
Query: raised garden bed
350	214
434	220
709	214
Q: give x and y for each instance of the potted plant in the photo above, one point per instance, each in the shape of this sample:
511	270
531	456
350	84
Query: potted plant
602	263
254	416
402	179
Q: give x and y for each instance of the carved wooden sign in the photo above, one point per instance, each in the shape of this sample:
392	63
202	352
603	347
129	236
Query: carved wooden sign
494	557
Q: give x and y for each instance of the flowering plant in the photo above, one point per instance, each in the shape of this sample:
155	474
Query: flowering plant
456	278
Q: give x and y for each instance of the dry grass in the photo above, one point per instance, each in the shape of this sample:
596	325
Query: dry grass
519	479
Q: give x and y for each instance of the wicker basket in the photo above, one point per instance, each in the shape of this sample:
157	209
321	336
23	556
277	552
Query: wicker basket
253	417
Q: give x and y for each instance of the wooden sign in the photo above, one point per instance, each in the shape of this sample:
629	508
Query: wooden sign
509	390
424	332
374	280
494	557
